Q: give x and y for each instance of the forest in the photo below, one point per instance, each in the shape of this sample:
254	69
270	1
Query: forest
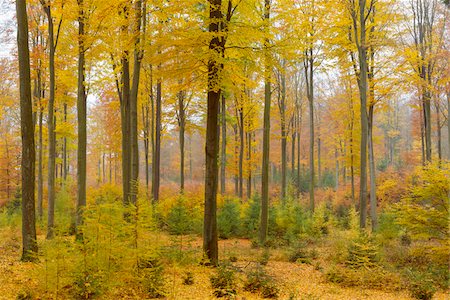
235	149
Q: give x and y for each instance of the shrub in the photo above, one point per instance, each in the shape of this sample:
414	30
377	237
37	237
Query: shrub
224	282
250	220
178	220
188	278
420	286
423	211
363	252
152	274
228	219
376	278
259	281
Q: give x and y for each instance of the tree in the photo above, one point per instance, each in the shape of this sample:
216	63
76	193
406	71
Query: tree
52	44
29	243
264	222
216	46
81	115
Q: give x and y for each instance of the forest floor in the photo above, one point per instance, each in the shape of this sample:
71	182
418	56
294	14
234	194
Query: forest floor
294	280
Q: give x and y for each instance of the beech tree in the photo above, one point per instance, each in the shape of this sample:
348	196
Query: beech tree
29	242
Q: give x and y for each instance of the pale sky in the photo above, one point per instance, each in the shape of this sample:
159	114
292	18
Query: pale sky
7	28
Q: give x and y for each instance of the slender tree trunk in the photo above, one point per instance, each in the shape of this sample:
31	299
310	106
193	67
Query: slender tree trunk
448	124
363	70
64	165
236	160
138	53
309	75
249	163
40	163
283	137
29	244
266	132
319	162
373	196
181	123
439	133
336	157
82	120
157	150
241	150
223	151
51	127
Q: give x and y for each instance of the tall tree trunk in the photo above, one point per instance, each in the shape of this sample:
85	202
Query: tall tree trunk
362	57
448	124
309	75
40	164
51	126
266	131
283	137
64	166
241	149
210	244
439	133
138	53
125	118
293	141
181	124
82	119
336	157
29	244
223	152
299	125
157	150
249	163
236	160
373	196
371	84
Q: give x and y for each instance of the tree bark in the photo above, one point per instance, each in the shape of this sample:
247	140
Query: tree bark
266	131
182	125
51	125
210	244
283	137
29	244
157	150
362	57
138	54
224	145
309	75
82	121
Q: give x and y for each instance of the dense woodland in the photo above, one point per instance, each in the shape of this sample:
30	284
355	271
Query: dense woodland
244	149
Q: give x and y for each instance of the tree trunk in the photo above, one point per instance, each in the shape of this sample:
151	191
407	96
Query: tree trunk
249	164
157	149
40	164
181	124
241	149
29	244
448	124
373	196
82	119
266	132
210	244
138	53
362	55
439	133
223	152
51	127
283	137
309	75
